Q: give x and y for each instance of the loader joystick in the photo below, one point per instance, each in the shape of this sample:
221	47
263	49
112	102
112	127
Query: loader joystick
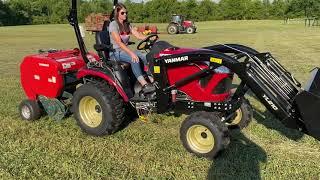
147	42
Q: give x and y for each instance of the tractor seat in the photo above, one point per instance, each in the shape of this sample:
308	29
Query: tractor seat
104	47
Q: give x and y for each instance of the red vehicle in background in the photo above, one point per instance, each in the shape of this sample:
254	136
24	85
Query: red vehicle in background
147	29
178	24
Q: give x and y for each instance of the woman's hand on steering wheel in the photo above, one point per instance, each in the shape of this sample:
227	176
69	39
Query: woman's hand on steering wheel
147	42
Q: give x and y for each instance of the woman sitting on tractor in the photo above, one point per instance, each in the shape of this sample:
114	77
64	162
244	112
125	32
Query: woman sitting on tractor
120	30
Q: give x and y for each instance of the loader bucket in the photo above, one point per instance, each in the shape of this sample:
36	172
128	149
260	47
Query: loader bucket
308	104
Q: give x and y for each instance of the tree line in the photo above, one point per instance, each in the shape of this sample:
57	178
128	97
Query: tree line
18	12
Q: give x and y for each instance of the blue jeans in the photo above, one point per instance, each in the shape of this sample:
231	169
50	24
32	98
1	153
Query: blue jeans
122	56
222	69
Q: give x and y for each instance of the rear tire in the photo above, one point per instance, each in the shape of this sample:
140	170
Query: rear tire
172	29
243	116
98	108
29	110
203	134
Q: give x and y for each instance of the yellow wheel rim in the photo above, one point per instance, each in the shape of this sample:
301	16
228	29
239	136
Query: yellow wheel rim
200	139
237	119
90	111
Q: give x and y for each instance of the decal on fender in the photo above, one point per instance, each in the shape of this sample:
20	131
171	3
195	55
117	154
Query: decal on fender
43	65
177	59
66	59
52	80
162	54
216	60
156	69
68	65
36	77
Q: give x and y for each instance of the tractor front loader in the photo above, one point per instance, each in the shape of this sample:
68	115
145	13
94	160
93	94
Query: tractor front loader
276	88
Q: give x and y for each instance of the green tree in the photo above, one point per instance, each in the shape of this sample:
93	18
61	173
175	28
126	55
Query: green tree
190	10
6	17
255	10
55	11
160	10
207	10
305	8
278	8
21	11
137	12
234	9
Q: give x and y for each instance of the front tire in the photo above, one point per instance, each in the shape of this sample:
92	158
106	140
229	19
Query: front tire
98	108
190	30
203	134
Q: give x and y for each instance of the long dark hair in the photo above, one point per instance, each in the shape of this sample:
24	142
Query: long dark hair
115	14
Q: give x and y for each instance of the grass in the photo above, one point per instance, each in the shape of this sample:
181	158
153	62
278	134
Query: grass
48	149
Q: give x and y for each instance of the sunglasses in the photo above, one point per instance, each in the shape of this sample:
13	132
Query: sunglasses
122	13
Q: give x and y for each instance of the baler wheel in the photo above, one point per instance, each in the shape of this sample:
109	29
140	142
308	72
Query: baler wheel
29	110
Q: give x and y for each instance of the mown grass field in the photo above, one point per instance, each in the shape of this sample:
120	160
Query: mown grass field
47	149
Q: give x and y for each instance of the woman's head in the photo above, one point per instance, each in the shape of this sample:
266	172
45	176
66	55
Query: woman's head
121	15
121	12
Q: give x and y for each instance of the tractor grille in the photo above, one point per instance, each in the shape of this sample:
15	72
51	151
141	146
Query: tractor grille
273	78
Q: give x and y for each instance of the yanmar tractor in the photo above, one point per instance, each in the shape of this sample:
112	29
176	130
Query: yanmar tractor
179	25
100	91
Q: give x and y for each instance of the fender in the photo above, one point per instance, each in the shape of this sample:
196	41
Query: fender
223	49
200	55
98	73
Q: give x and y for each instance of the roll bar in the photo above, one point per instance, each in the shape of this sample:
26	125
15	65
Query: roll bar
73	20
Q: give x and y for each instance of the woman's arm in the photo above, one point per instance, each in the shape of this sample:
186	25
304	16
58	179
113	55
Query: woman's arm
137	34
117	39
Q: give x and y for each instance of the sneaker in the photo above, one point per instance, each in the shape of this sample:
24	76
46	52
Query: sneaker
148	88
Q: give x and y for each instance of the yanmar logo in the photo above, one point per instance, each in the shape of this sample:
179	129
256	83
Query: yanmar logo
270	102
177	59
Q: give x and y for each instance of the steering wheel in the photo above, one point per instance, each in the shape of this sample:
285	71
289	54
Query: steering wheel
147	42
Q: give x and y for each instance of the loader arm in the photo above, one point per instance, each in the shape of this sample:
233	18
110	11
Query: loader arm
273	85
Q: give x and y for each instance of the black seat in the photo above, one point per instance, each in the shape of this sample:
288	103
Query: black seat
103	45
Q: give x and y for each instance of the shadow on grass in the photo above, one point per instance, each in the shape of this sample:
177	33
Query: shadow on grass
130	116
269	121
241	160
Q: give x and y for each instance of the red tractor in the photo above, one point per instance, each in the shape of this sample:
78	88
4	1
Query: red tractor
179	25
100	92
